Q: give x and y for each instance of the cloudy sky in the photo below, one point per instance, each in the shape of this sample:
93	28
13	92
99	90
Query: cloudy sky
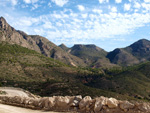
108	24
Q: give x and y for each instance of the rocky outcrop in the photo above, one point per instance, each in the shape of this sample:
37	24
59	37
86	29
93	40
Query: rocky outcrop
77	104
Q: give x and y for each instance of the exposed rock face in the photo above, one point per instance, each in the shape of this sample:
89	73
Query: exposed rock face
85	105
37	43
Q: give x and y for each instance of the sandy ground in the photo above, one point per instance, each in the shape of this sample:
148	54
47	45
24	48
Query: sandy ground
13	109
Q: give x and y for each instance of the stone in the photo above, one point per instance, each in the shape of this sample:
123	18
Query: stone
76	101
85	102
144	107
125	105
62	103
99	103
112	103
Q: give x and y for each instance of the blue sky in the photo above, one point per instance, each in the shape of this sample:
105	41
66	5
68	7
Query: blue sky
108	24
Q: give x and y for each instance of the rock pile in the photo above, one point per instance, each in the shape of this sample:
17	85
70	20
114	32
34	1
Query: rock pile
77	104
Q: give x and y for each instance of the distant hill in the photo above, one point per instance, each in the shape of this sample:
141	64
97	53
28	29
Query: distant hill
91	55
64	47
133	54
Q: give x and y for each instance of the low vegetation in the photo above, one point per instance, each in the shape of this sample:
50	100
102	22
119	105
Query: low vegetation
21	67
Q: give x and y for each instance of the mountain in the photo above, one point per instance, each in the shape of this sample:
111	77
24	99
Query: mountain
140	50
64	47
91	54
37	43
122	57
30	70
133	54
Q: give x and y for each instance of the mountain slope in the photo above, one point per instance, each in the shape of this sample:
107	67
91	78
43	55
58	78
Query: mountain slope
140	49
27	69
64	47
37	43
133	81
121	57
133	54
91	54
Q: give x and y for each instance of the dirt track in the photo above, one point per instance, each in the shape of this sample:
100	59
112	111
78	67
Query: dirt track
14	92
13	109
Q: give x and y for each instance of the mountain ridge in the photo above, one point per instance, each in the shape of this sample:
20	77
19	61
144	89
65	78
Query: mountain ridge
85	55
37	43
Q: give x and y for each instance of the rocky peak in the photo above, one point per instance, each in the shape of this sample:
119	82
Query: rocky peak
4	25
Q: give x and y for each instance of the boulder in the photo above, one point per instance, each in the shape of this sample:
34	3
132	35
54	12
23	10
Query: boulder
85	102
125	105
62	103
144	107
112	103
99	103
76	101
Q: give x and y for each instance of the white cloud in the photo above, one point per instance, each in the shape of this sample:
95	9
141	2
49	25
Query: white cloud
146	1
35	6
118	1
146	7
114	9
27	1
137	5
30	1
60	3
47	25
70	27
97	11
127	7
49	4
81	7
103	1
14	2
84	15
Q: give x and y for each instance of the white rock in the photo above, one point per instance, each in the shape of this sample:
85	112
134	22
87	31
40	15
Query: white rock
76	101
124	105
84	103
144	107
99	103
62	102
112	103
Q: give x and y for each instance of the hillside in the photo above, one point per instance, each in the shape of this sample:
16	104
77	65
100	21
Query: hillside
133	81
21	67
135	53
92	55
37	43
64	47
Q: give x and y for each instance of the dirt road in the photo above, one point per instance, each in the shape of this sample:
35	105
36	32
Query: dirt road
14	91
13	109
